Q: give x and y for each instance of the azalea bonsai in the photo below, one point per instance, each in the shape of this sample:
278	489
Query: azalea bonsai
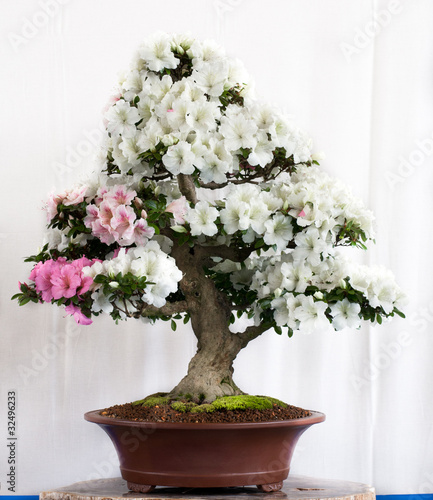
207	207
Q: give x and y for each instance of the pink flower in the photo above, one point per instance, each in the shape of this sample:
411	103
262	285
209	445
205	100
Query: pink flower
103	232
65	282
119	195
123	223
142	232
51	205
100	194
92	215
71	197
82	262
43	276
179	209
75	196
78	315
105	213
35	271
55	279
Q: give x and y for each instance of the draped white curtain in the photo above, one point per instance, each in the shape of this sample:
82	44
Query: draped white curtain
357	75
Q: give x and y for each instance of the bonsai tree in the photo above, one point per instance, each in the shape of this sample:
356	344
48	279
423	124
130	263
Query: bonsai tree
208	206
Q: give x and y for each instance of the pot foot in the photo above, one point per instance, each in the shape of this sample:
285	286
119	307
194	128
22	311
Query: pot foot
269	488
140	488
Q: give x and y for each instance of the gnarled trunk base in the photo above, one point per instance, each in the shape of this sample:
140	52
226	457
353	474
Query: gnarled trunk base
204	383
210	371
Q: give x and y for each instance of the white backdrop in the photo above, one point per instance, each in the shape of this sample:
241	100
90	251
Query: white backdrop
358	77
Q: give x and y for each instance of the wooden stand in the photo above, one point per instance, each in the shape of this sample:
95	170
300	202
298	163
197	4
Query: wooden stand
295	487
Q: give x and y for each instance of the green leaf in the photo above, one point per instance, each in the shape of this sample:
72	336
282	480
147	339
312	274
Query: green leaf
173	325
399	313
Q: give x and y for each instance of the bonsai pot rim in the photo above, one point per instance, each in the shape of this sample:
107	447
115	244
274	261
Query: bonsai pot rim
95	417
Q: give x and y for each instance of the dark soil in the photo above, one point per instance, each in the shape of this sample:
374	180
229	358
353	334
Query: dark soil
164	413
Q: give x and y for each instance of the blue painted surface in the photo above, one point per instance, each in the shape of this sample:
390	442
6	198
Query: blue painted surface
428	496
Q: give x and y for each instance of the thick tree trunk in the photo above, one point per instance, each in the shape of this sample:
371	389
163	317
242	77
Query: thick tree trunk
210	374
210	371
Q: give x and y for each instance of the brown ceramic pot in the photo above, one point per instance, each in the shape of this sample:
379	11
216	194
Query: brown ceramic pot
204	455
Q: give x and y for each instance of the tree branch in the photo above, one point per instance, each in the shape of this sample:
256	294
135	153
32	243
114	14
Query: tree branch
187	188
225	252
168	309
252	332
216	185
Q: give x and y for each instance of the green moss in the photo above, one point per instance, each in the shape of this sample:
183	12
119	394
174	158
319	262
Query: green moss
203	408
185	404
245	402
183	407
158	399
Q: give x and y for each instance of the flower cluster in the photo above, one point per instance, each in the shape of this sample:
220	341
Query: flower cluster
189	117
308	207
308	295
112	219
73	196
150	262
57	280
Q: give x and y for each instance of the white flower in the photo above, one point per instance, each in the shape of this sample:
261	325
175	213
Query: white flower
122	119
157	53
205	52
264	115
262	154
133	84
202	219
311	314
179	159
235	216
310	247
131	150
150	135
212	169
101	303
345	313
145	107
279	231
382	294
211	77
258	214
281	131
202	115
176	114
120	264
238	132
295	277
284	310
